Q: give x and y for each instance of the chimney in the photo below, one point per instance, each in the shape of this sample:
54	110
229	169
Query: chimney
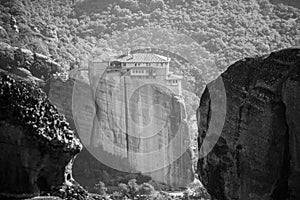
129	55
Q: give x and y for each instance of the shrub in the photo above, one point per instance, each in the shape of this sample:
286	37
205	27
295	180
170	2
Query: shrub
70	192
100	188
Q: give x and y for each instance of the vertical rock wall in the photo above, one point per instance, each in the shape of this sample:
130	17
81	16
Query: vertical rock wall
157	137
257	154
291	99
152	113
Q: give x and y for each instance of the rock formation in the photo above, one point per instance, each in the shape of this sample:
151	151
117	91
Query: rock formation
258	153
87	170
101	127
37	145
155	122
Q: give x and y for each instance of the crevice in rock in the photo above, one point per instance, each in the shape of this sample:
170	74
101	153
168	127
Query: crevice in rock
280	189
239	148
239	121
214	180
208	115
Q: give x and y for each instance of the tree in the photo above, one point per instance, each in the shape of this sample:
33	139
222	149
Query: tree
154	4
133	188
100	188
146	190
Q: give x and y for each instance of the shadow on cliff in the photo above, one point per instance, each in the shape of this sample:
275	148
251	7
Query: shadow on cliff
257	155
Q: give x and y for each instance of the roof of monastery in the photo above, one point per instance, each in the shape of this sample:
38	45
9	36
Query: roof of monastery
143	58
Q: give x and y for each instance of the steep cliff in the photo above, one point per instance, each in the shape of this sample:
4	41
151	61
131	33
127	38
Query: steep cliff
257	154
141	126
87	170
101	123
37	145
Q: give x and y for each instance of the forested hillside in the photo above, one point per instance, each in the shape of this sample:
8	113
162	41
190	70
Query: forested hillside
225	31
294	3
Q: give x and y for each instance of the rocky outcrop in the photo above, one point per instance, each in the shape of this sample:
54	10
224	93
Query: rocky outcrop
102	128
141	127
87	170
37	145
257	155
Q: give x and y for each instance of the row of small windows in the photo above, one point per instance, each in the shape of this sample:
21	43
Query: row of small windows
174	81
138	71
147	64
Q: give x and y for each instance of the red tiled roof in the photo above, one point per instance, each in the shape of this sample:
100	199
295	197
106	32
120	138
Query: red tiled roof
143	58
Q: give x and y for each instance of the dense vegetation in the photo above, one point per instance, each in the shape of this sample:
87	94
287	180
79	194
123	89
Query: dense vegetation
222	31
146	191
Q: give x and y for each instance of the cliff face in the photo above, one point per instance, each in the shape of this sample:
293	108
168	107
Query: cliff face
257	154
101	123
37	145
144	126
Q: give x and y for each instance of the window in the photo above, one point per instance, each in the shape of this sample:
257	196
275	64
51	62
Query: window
174	82
124	64
135	64
162	64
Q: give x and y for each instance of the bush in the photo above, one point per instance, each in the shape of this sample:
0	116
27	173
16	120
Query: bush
100	188
146	189
70	192
132	190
